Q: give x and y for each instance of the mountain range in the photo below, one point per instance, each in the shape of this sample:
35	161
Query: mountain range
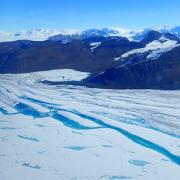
116	58
39	34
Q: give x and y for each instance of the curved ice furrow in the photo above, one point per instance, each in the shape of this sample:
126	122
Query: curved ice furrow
120	118
151	104
40	102
135	120
122	104
132	119
141	95
19	86
100	103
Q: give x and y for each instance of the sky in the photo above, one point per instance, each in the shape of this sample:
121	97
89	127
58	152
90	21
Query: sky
82	14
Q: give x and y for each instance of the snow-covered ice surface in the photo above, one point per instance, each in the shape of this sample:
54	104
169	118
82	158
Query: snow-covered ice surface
70	132
60	75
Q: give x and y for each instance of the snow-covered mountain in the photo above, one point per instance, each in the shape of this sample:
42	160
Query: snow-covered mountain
105	32
66	35
37	34
155	65
156	44
176	30
138	36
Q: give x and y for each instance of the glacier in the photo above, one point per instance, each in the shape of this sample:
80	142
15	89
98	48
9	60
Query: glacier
74	132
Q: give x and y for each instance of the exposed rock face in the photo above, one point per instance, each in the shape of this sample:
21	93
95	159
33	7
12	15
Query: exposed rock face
162	73
29	56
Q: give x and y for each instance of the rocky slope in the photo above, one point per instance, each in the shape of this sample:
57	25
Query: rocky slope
114	61
156	66
90	55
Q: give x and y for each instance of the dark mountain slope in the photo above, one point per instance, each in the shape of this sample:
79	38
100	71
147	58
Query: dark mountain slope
162	73
115	62
29	56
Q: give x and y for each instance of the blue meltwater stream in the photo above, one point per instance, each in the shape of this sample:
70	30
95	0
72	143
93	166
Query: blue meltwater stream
55	114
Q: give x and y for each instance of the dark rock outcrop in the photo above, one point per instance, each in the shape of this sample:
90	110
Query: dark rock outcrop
30	56
161	73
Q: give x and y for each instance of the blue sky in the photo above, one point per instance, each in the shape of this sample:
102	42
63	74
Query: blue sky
25	14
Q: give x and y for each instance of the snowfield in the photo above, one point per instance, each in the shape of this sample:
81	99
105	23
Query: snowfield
94	45
156	49
70	132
